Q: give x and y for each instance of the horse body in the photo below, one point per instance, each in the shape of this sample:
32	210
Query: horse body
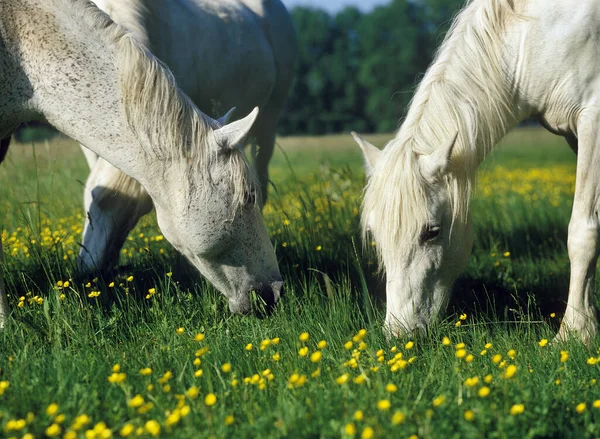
501	62
223	54
65	62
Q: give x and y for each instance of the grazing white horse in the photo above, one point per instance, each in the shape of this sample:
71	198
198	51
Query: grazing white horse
66	62
501	62
223	53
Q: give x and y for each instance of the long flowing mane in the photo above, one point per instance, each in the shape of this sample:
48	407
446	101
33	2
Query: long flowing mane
166	122
464	91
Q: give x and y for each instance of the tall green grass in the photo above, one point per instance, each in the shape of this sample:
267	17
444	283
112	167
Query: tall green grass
61	346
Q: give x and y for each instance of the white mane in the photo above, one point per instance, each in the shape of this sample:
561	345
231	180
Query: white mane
463	91
168	125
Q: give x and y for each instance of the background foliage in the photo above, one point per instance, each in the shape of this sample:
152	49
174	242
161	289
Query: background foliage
357	71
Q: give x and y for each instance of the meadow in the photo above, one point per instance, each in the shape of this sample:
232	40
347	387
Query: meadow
151	349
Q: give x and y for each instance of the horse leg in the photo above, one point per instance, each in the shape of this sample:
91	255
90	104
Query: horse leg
264	132
113	203
4	144
3	299
584	235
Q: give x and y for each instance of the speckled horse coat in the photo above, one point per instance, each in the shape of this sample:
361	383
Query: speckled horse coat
223	53
67	63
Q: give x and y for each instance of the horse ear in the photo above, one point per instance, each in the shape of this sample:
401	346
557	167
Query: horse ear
224	120
438	162
230	135
370	152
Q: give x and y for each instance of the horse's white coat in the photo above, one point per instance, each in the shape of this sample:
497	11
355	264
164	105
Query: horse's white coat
502	61
223	53
65	62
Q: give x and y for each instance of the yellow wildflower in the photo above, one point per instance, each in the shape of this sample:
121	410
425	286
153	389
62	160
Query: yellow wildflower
52	409
126	430
510	371
517	409
391	388
483	392
469	415
350	429
304	337
152	427
210	399
384	404
367	433
53	430
398	418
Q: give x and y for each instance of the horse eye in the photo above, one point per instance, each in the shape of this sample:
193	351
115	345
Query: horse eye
430	233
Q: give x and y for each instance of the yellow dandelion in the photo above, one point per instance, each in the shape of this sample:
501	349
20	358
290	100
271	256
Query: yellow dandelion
409	345
350	429
126	430
304	337
53	430
199	336
483	391
180	330
193	392
398	418
342	379
367	433
229	420
322	344
226	367
439	401
581	407
469	415
384	404
564	356
303	352
315	357
210	399
136	401
517	409
358	415
446	341
510	371
249	347
543	342
391	388
52	409
152	427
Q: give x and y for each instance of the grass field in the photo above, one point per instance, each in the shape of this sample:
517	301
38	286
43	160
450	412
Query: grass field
153	351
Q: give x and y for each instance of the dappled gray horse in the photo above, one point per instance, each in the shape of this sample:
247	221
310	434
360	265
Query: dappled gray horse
223	53
66	62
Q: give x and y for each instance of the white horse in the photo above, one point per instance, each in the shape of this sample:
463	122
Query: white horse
222	53
66	62
501	62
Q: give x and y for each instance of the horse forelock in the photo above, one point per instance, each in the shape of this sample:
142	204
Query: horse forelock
464	91
168	126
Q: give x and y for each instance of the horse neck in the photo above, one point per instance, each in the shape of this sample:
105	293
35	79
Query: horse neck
72	68
467	90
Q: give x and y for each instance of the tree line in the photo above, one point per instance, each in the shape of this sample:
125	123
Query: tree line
357	71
